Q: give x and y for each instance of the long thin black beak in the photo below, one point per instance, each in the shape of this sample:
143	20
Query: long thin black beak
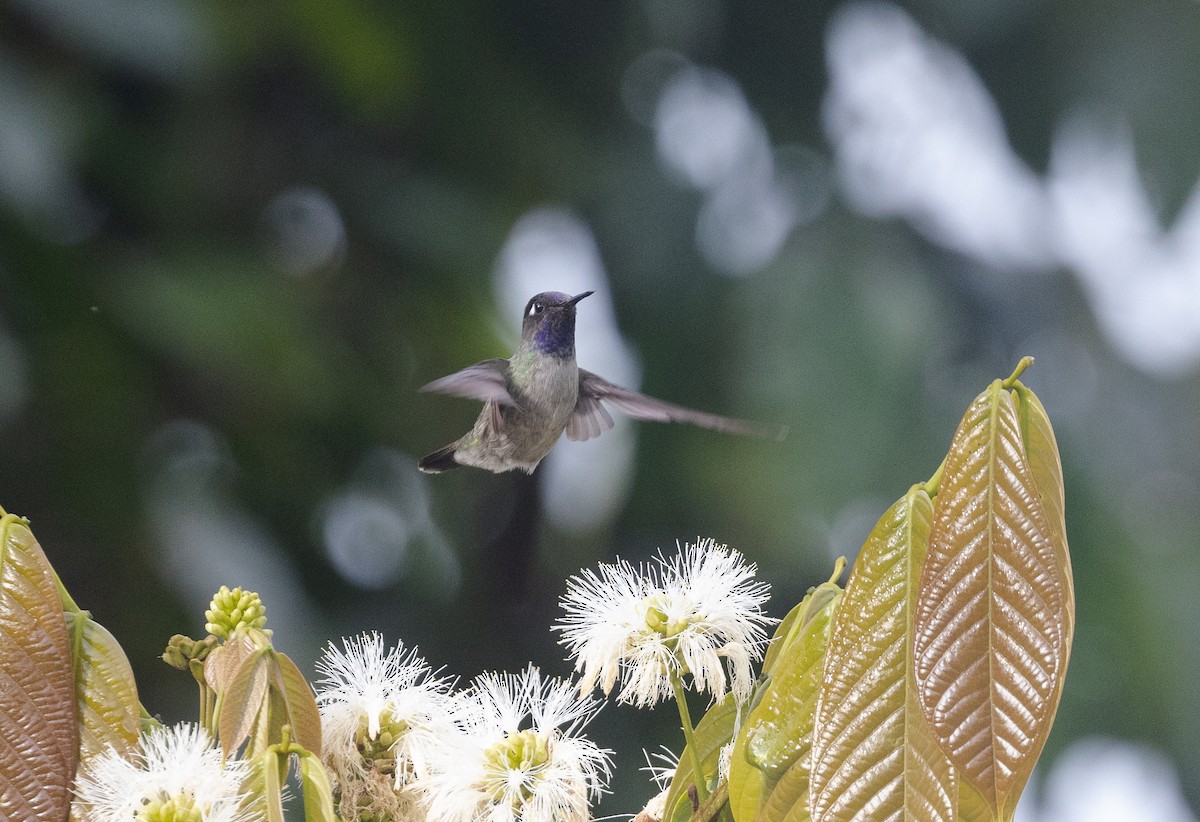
579	297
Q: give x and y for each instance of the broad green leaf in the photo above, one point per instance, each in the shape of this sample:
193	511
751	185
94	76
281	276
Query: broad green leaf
713	732
990	629
1041	449
788	800
37	693
301	704
244	700
317	790
267	773
106	700
776	737
783	632
261	788
873	755
147	723
816	599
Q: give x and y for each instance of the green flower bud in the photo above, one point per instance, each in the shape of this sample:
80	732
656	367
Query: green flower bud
181	808
232	610
183	652
659	620
377	751
520	751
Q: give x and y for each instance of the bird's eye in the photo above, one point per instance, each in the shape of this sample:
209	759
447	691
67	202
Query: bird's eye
536	308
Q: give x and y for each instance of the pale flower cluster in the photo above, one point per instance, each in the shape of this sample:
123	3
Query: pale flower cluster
176	773
510	747
380	710
401	744
519	753
689	614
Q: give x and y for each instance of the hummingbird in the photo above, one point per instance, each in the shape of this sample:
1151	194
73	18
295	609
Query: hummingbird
539	392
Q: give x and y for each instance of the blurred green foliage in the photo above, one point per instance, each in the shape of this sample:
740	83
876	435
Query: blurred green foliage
174	378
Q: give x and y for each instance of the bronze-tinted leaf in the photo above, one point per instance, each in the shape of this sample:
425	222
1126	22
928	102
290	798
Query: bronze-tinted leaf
1041	448
106	700
224	661
37	693
771	758
264	693
990	629
272	716
244	700
301	703
873	755
105	691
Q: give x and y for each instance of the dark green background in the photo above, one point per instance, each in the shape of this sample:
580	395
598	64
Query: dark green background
164	381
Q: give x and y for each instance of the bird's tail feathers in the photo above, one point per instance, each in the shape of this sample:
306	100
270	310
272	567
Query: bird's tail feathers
440	460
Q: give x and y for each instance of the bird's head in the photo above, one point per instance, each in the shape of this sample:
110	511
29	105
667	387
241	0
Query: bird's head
549	324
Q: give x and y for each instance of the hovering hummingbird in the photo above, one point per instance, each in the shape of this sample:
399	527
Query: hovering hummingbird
539	392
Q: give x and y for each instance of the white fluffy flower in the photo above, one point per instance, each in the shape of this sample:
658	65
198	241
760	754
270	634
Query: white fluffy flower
518	754
661	765
650	623
176	774
380	708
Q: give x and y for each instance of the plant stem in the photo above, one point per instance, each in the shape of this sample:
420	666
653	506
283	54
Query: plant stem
689	736
1021	366
206	707
933	483
68	602
716	808
839	565
214	718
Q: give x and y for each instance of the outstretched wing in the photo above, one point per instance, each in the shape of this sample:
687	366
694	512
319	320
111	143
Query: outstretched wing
486	381
590	418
